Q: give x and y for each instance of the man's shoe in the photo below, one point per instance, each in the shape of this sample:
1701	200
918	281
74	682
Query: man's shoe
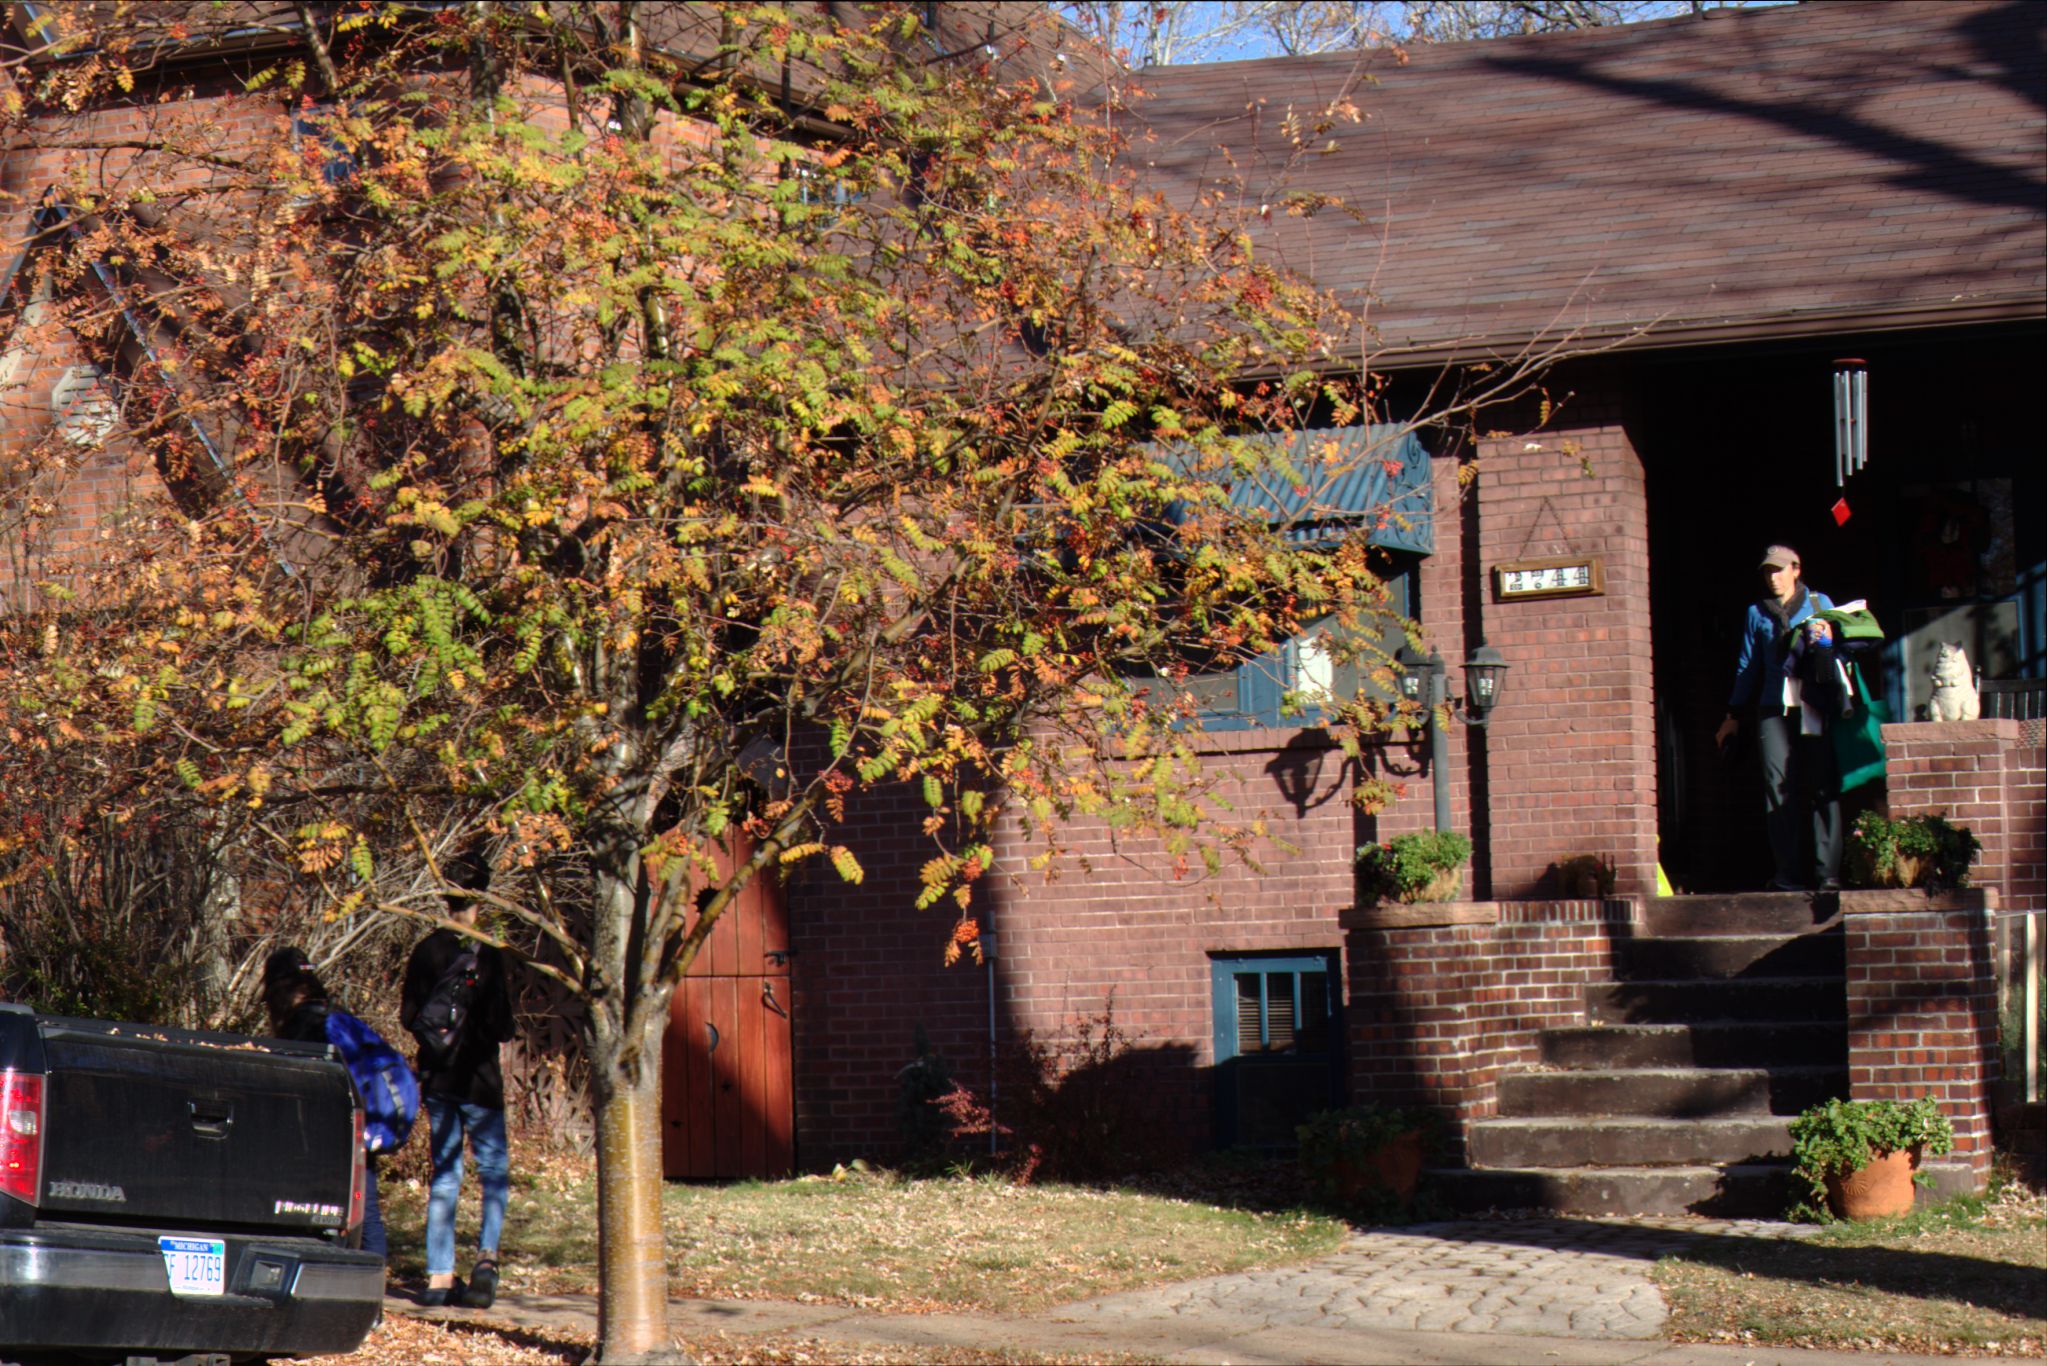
434	1296
483	1286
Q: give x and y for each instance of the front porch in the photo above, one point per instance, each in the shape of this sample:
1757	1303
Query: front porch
1646	1057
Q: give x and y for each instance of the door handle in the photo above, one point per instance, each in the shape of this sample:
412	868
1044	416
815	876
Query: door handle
211	1119
768	998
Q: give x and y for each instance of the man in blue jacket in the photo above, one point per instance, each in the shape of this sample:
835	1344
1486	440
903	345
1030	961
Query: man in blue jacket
1801	783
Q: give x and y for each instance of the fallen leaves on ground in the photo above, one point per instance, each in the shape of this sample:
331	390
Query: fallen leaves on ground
401	1340
1968	1278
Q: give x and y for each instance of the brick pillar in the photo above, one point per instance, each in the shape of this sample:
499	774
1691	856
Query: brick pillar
1572	750
1922	1007
1990	776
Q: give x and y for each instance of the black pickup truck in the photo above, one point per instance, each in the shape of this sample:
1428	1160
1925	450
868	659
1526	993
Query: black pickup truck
175	1194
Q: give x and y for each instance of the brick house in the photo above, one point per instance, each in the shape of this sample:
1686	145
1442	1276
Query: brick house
1693	220
1699	216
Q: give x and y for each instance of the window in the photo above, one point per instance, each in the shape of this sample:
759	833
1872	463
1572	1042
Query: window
1370	478
1254	693
1278	1044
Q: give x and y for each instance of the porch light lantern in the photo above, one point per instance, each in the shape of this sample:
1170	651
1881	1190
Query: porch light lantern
1851	418
1485	674
1414	674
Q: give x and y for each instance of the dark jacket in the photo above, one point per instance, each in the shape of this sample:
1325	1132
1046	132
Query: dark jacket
473	1077
1759	669
307	1023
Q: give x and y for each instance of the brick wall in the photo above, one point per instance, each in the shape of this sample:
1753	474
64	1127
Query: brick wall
1571	752
1922	1007
1111	916
1990	776
1438	1011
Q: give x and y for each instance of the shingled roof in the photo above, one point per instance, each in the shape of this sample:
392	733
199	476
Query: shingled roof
1815	168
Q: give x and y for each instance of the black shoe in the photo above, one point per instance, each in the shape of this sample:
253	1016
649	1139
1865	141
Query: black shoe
483	1286
434	1296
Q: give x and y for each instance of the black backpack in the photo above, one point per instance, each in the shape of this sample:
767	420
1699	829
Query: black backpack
443	1021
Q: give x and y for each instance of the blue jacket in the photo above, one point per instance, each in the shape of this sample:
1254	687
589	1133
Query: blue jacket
1759	670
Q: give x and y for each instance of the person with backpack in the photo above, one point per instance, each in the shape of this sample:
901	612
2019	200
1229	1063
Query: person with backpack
298	1006
458	1008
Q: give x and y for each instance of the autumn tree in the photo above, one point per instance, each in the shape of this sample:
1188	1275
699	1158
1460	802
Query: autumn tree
625	434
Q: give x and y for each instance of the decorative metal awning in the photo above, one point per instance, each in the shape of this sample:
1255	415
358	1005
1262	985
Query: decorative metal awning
1326	483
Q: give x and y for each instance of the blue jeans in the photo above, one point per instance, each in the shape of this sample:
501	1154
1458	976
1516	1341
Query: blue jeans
485	1128
372	1217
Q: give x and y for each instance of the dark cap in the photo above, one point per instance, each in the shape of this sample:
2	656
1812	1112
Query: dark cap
286	962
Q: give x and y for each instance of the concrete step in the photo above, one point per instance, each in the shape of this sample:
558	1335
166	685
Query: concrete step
1733	1043
1576	1141
1742	913
1735	1190
1670	1093
1692	1001
1819	954
1743	1190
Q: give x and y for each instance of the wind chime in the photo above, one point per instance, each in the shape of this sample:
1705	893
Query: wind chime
1851	426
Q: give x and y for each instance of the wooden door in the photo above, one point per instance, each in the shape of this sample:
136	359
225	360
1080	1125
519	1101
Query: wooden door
728	1085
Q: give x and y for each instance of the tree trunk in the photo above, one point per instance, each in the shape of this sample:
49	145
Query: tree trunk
632	1294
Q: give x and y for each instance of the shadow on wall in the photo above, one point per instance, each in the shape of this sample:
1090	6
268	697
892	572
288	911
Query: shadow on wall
1081	1108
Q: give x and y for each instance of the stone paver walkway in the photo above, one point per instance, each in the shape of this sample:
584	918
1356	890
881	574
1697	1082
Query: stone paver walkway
1574	1278
1566	1292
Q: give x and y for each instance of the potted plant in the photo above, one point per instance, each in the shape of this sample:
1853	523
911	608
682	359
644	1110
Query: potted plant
1425	866
1861	1157
1365	1154
1586	877
1911	851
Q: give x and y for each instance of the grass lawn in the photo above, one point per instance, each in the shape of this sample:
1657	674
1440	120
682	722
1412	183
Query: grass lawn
1967	1276
879	1241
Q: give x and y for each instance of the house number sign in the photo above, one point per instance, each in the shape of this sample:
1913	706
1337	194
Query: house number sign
1571	576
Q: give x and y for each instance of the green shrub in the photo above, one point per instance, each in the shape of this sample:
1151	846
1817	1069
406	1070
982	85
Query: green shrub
1405	864
1944	851
1844	1136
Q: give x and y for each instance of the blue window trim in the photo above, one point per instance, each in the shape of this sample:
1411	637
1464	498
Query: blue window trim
1223	972
1264	681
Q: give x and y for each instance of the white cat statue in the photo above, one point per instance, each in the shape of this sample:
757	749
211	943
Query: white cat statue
1954	686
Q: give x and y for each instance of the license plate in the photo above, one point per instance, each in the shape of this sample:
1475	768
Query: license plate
197	1266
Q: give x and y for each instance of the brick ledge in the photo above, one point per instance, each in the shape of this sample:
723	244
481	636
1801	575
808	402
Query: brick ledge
1893	901
1419	915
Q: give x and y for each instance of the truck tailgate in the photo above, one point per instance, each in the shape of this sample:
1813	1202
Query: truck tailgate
157	1126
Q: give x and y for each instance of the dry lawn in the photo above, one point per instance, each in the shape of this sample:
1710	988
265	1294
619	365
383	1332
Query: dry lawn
1969	1277
878	1241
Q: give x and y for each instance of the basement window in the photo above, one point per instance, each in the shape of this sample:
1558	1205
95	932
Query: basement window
1278	1044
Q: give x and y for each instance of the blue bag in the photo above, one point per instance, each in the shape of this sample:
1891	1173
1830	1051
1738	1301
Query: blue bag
390	1094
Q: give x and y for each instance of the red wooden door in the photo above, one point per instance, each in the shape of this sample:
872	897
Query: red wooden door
728	1079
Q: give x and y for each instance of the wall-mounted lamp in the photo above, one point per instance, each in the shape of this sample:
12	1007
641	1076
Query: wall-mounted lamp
1485	675
1851	418
1424	679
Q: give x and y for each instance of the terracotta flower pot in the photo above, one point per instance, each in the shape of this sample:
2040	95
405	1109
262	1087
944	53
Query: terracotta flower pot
1881	1190
1393	1168
1444	886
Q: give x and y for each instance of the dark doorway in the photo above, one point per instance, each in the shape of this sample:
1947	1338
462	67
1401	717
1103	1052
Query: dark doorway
1738	447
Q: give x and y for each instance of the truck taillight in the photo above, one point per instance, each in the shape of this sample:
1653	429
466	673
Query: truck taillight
21	1136
358	1178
